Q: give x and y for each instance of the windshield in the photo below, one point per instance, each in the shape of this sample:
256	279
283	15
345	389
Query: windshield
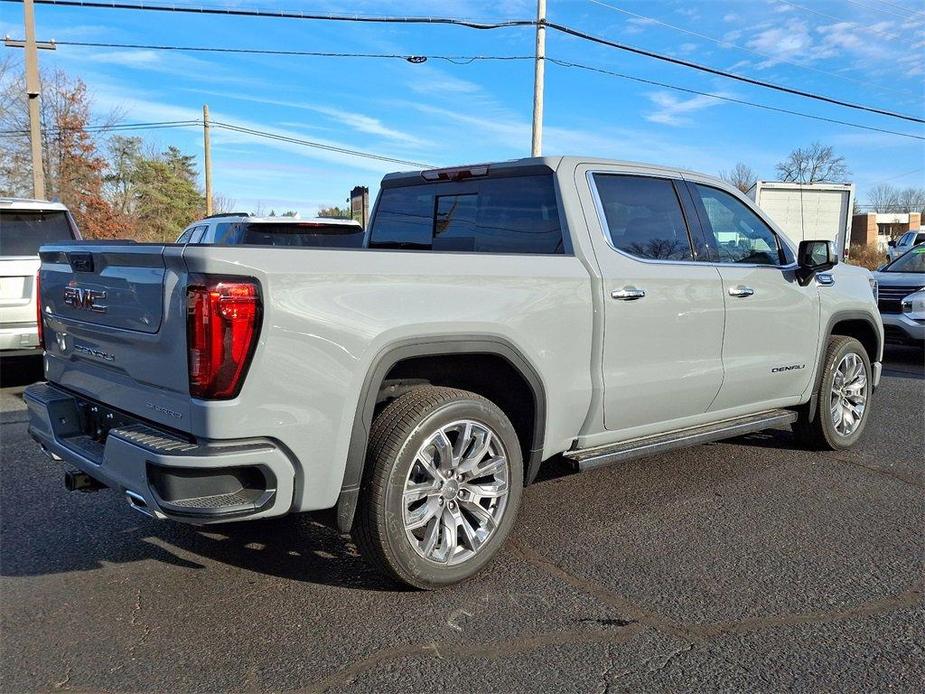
290	234
23	231
913	261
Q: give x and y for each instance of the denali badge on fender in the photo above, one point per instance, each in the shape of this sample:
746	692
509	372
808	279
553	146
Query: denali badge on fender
85	299
792	367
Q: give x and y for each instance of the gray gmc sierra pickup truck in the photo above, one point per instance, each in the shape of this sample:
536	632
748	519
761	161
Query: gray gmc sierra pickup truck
497	315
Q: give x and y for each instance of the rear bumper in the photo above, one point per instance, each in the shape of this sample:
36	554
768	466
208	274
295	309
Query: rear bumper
19	339
162	474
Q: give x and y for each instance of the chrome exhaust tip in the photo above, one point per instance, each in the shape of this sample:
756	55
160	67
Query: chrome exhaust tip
49	454
137	502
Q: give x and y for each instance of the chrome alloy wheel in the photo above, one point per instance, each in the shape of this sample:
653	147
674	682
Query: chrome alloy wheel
849	394
456	492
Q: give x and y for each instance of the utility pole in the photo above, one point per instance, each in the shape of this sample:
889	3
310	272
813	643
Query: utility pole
207	157
33	92
539	77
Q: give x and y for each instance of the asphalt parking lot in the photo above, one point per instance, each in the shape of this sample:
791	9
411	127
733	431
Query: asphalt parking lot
739	565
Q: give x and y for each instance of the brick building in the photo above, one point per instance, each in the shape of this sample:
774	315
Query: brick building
880	227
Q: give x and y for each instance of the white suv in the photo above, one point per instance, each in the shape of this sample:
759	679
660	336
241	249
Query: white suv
242	229
24	226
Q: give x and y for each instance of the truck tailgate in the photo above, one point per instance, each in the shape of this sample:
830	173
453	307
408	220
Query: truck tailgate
115	326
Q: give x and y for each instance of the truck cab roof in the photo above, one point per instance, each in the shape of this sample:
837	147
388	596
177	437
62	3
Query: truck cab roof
530	165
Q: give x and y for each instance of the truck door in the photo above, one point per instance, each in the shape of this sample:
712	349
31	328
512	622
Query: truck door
772	323
663	310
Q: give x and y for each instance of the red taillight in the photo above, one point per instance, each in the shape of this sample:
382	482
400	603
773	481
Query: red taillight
39	320
222	323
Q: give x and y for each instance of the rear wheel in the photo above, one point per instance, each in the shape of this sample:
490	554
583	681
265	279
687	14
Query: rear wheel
843	393
443	485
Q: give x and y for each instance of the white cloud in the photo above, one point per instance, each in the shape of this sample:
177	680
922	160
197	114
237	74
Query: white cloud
783	42
357	121
673	110
429	80
637	25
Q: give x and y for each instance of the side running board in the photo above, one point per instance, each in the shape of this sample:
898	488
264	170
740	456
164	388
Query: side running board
601	456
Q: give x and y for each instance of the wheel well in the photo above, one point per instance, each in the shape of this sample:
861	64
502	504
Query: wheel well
490	375
863	332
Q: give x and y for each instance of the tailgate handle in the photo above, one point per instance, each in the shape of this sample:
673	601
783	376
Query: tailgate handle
81	262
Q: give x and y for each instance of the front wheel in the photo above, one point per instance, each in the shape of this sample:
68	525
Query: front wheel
442	487
843	395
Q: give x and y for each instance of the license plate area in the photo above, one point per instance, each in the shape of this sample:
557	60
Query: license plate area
97	420
86	425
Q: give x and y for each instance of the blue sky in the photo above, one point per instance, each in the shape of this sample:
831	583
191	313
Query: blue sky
867	51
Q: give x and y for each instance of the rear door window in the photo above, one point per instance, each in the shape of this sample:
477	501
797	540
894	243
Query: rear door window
643	217
22	232
493	215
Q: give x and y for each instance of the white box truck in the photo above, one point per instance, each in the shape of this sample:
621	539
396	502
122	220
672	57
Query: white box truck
807	211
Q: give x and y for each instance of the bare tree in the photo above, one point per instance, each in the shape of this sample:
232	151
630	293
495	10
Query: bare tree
883	198
222	203
911	200
814	164
741	176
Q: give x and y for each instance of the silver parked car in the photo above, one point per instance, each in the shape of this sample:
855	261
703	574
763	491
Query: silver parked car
904	243
24	226
897	282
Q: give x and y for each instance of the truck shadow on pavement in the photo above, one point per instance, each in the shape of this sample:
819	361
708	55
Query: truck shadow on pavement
294	548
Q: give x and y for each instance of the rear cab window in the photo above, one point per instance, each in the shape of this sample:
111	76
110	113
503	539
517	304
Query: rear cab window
512	214
24	231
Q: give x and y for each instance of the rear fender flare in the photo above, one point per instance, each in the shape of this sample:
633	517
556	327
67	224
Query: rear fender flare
431	346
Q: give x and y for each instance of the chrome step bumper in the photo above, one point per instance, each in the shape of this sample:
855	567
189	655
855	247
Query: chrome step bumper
162	474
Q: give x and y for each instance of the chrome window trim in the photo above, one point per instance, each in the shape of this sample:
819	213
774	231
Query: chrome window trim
605	229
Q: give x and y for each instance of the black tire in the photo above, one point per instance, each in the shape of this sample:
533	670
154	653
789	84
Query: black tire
397	434
815	428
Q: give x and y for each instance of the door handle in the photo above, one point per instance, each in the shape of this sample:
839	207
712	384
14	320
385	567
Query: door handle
628	294
741	291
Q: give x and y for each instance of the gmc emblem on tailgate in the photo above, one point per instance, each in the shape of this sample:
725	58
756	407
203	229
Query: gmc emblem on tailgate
85	299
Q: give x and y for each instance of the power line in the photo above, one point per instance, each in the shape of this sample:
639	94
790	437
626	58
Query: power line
477	25
282	14
231	127
900	7
317	145
156	125
227	126
456	59
729	75
563	63
729	99
728	44
874	8
873	30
